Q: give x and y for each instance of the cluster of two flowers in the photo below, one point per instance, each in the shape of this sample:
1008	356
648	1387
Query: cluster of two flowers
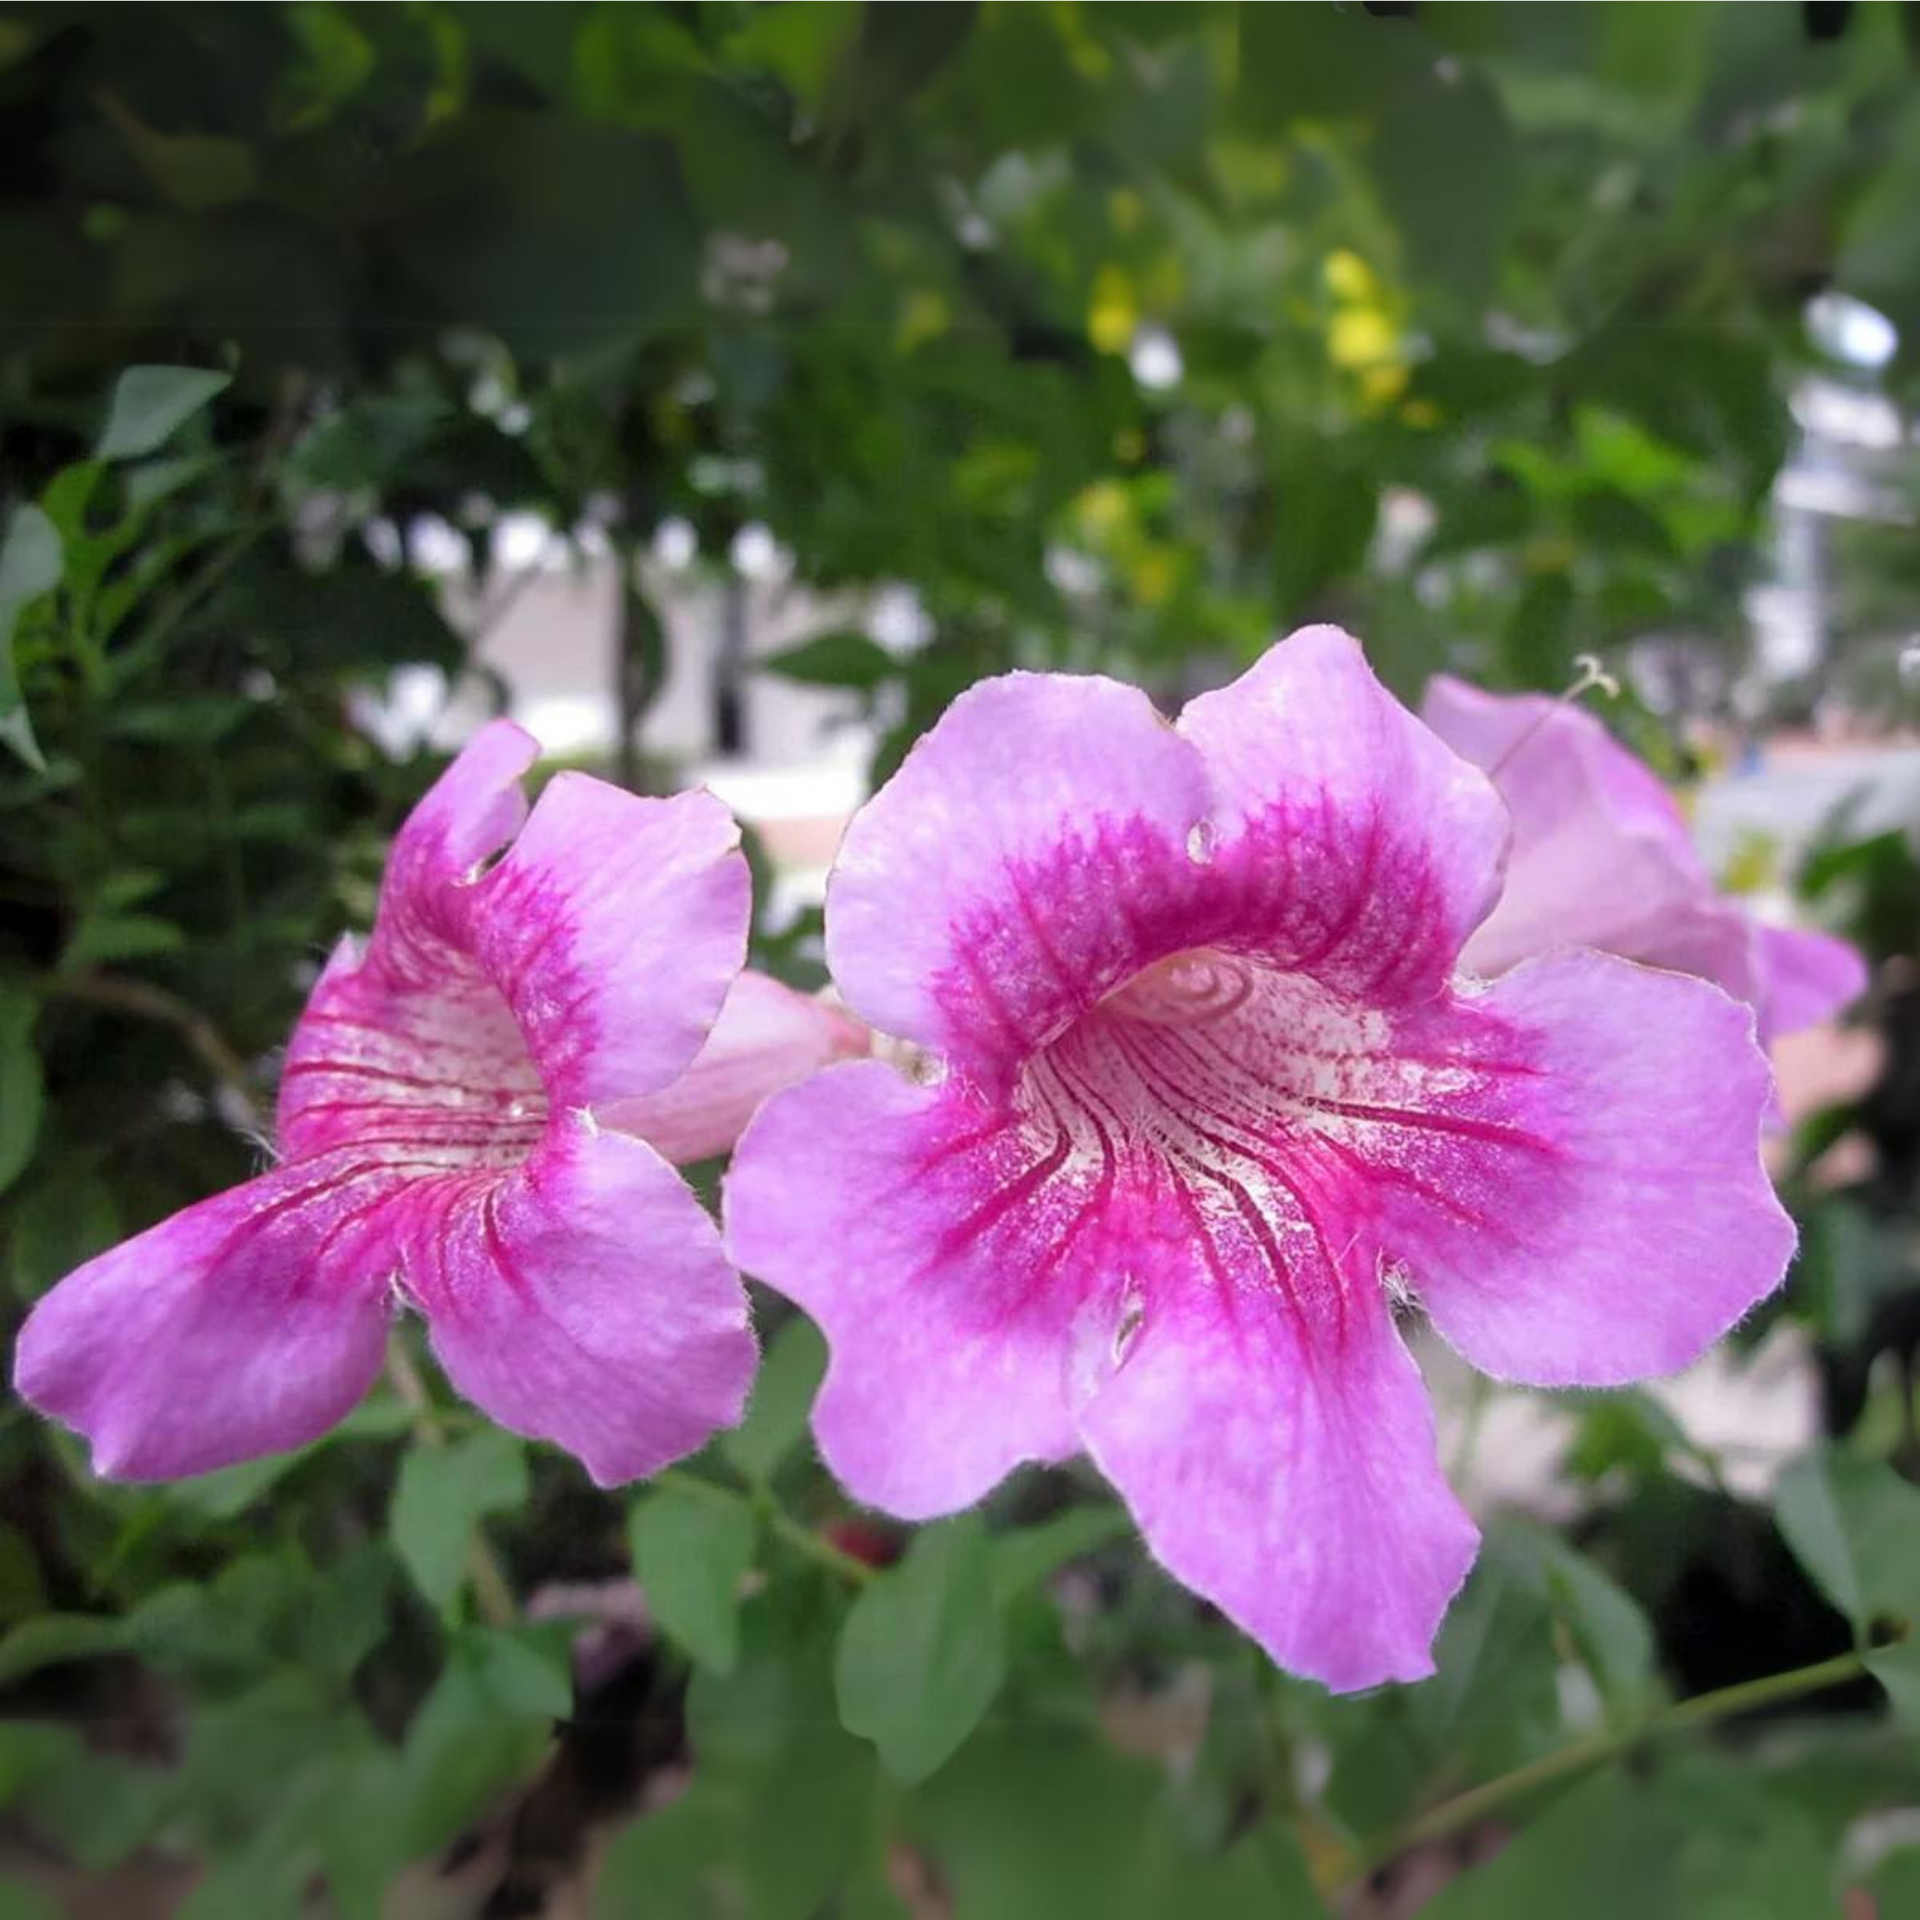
1229	1035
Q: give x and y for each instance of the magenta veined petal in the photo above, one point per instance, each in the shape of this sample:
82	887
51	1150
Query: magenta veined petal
1202	1105
1602	858
441	1146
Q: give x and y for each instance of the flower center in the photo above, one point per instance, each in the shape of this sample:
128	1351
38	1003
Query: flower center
1188	989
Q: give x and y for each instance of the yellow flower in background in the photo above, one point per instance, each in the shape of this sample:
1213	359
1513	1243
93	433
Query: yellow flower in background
1155	575
1361	337
1102	510
1349	278
923	316
1113	312
1364	336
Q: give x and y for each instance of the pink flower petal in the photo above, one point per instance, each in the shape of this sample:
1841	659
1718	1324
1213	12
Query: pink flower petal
1348	842
436	1115
1213	1103
1286	1471
1806	978
583	1298
247	1324
1587	1206
614	927
767	1037
885	1210
1602	858
972	904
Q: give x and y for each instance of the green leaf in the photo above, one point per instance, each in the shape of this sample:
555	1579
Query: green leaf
22	1092
1896	1882
151	404
795	1788
923	1651
1854	1525
23	1595
485	1726
101	1808
1443	160
52	1639
30	565
22	1900
101	939
32	1751
442	1495
1609	1632
691	1553
790	1375
834	660
1606	1849
1025	1557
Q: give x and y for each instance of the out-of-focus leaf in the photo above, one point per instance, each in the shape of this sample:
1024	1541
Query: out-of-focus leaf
21	1900
101	939
1026	1556
151	404
195	171
22	1593
485	1726
1605	1849
101	1807
691	1554
511	232
29	567
834	660
440	1498
1880	251
923	1651
67	1215
22	1092
789	1377
31	1751
230	1491
1323	521
51	1639
1854	1525
1443	160
781	1795
1610	1634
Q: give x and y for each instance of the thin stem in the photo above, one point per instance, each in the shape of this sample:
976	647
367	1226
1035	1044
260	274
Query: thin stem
1477	1803
784	1526
144	1001
491	1593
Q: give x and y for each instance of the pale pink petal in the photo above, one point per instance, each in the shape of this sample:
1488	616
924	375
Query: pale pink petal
1346	841
467	815
582	1297
1285	1470
1030	854
1805	978
1601	853
586	966
934	1242
767	1037
1571	1179
247	1324
614	927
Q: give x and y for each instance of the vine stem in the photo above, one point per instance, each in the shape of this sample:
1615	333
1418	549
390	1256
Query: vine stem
144	1001
491	1592
802	1539
1477	1803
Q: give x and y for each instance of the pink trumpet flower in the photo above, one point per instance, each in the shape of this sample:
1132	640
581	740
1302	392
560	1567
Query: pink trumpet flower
1602	858
449	1139
1201	1102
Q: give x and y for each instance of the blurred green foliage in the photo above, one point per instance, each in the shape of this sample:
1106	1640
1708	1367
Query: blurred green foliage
1126	336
